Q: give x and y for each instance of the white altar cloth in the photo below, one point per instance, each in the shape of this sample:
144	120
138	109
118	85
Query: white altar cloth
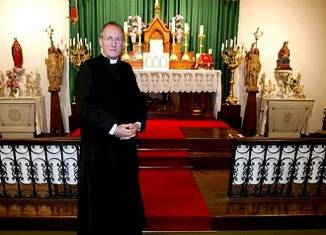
181	81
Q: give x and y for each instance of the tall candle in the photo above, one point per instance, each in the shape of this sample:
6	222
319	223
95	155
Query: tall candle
125	26
90	46
186	28
231	43
173	24
222	49
201	30
139	24
77	37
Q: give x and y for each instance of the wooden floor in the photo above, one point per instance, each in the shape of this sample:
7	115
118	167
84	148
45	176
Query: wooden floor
251	214
210	157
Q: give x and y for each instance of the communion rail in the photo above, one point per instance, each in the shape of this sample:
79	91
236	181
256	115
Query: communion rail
39	168
278	168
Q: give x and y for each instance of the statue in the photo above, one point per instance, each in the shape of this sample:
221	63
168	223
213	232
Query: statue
17	54
252	68
2	85
54	63
283	61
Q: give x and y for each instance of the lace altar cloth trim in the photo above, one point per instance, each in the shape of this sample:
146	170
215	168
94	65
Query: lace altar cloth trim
179	81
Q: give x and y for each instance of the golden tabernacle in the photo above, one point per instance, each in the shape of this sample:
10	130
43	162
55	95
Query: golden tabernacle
160	50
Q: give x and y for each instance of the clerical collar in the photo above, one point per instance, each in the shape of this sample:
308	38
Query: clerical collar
112	61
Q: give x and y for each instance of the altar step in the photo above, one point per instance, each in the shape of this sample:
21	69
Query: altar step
176	158
202	148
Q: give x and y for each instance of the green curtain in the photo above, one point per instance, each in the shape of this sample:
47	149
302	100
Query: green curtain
219	17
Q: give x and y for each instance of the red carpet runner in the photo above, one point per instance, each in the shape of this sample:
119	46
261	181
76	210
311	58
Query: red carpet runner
168	129
172	201
171	197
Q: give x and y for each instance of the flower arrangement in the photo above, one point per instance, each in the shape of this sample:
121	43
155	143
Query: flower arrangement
178	27
292	82
13	79
178	22
132	22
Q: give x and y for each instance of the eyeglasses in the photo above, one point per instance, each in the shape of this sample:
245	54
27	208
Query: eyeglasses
110	40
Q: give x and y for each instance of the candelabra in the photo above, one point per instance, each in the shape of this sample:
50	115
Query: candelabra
79	51
185	55
201	42
125	55
139	55
233	57
173	56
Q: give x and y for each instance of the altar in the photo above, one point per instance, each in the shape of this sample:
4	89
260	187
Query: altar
284	117
190	93
22	117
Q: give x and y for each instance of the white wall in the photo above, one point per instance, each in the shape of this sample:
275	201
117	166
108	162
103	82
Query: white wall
27	20
303	24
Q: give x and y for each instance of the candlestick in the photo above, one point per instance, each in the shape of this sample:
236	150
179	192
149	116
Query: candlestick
201	30
185	55
201	42
125	27
173	55
139	55
139	24
186	28
173	24
233	58
125	55
79	51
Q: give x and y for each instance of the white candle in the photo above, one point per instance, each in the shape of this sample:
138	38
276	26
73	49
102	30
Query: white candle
235	41
81	41
70	42
90	46
139	24
125	27
77	37
73	41
222	49
210	51
226	44
231	43
201	30
173	24
186	28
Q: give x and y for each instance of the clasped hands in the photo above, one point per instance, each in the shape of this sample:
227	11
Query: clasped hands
127	131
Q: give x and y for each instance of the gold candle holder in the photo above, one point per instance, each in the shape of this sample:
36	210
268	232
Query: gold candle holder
125	55
233	57
139	55
185	55
173	56
201	42
79	51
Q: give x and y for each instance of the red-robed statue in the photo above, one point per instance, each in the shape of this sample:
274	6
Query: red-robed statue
17	54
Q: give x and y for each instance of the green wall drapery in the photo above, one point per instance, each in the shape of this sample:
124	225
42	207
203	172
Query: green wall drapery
219	17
